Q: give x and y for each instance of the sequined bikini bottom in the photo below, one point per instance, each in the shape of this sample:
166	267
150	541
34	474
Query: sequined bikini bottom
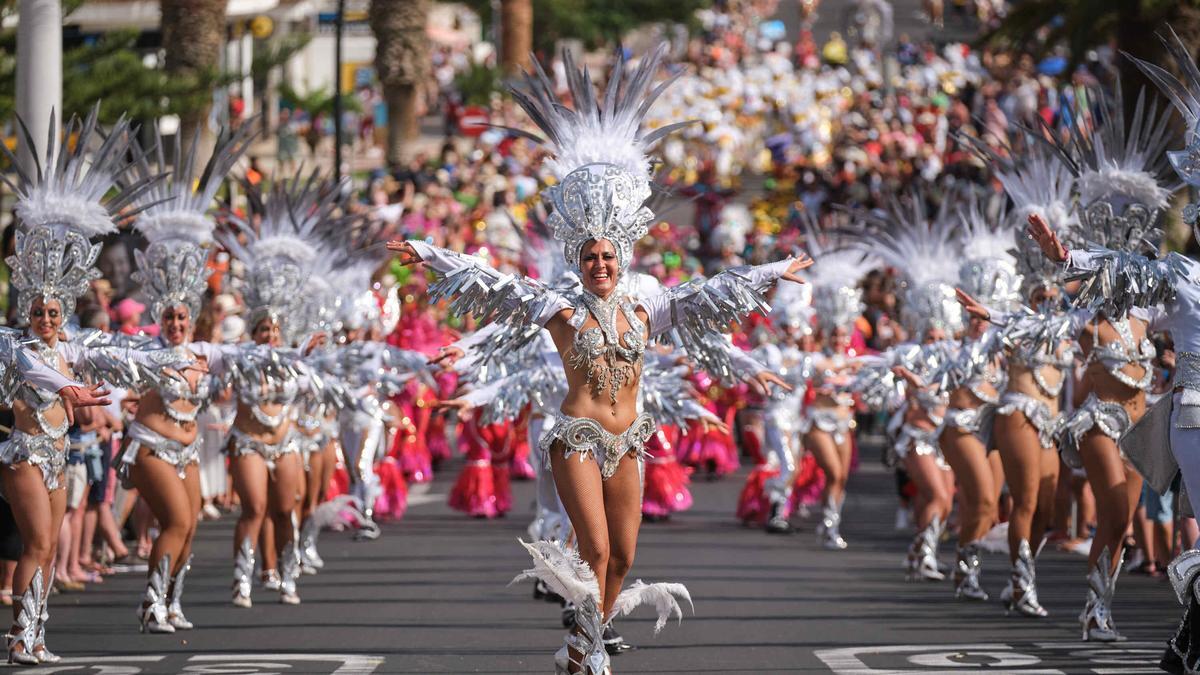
975	421
829	420
1037	412
172	452
921	442
584	436
39	450
1110	418
242	444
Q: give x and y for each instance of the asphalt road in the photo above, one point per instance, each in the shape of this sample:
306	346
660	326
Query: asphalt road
430	596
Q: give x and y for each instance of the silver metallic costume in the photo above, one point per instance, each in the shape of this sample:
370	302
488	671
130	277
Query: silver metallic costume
70	195
602	184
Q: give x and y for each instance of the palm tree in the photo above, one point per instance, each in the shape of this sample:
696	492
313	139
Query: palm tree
193	33
317	104
402	63
1082	25
516	41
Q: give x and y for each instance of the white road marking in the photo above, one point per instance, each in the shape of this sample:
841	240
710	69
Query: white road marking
1098	658
847	661
351	664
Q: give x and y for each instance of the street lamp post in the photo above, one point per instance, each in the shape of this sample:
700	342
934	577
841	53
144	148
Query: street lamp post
39	74
337	90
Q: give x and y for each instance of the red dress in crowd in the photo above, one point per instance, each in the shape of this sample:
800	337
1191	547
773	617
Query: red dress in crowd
521	467
408	448
666	480
482	489
713	451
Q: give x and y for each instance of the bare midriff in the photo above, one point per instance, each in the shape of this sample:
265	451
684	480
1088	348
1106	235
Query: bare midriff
582	399
1099	381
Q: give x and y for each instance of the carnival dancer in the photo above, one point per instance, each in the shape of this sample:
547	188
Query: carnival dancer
267	377
1039	361
1124	183
67	199
1118	281
965	437
598	213
826	423
161	452
922	247
505	384
769	487
376	372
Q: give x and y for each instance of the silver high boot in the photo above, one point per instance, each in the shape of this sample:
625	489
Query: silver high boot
243	571
153	612
1023	581
175	606
1096	619
966	574
27	623
829	533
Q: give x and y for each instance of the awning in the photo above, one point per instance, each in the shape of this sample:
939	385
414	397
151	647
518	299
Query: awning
144	14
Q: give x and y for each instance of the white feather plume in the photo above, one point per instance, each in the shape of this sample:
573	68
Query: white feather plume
562	570
595	131
984	236
177	208
921	247
662	595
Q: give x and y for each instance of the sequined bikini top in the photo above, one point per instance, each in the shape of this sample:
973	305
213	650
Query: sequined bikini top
611	361
1036	358
172	389
40	400
1122	352
991	374
281	391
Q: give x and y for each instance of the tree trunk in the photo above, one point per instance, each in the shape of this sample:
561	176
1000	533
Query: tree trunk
516	41
403	122
402	63
193	33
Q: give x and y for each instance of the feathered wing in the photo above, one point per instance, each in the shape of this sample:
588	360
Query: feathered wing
562	570
661	595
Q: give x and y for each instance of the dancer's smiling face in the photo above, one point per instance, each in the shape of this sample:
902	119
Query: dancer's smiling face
45	319
598	267
176	324
267	332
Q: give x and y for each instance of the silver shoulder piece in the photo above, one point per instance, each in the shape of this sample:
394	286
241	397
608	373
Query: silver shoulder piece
1122	280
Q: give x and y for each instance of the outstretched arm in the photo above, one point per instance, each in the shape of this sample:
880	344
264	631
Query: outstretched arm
712	305
478	289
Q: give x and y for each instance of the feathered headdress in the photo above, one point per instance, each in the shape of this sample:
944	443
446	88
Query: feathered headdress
360	253
599	152
282	248
923	249
176	221
1184	93
71	197
1121	171
835	274
1038	183
989	270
